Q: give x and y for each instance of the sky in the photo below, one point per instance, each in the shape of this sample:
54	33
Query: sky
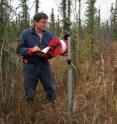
47	5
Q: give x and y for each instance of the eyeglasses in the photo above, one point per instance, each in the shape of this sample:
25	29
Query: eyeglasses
43	22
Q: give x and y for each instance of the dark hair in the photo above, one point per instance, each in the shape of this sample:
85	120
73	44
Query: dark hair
40	16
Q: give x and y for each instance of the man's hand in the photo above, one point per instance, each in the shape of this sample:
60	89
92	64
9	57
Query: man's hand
43	55
35	49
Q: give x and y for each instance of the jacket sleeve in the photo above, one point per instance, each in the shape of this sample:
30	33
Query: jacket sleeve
22	49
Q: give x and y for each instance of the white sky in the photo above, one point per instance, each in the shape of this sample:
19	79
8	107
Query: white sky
47	5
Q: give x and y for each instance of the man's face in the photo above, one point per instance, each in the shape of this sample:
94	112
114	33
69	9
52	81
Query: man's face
41	25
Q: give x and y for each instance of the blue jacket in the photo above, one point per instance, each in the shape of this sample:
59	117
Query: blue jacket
28	39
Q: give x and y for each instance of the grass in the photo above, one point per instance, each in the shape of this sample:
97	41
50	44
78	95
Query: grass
94	102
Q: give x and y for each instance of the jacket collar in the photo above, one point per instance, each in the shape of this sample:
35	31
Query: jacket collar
34	32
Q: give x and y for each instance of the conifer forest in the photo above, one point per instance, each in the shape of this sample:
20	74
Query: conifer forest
86	85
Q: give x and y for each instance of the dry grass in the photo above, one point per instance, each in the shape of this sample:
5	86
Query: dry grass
95	96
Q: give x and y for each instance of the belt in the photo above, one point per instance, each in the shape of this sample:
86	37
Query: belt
35	63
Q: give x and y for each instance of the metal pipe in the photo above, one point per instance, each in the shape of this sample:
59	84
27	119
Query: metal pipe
70	99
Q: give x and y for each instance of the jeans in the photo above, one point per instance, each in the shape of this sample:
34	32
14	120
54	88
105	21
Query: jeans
33	73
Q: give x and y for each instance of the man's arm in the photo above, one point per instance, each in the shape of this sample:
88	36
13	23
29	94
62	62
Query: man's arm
23	50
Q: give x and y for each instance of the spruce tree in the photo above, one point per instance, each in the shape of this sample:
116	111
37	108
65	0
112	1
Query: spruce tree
90	30
114	20
69	15
52	22
58	25
98	24
24	15
37	6
64	14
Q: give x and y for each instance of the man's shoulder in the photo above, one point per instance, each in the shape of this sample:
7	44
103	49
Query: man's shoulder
49	33
26	31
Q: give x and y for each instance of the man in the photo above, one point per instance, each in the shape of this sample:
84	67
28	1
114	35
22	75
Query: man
35	67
